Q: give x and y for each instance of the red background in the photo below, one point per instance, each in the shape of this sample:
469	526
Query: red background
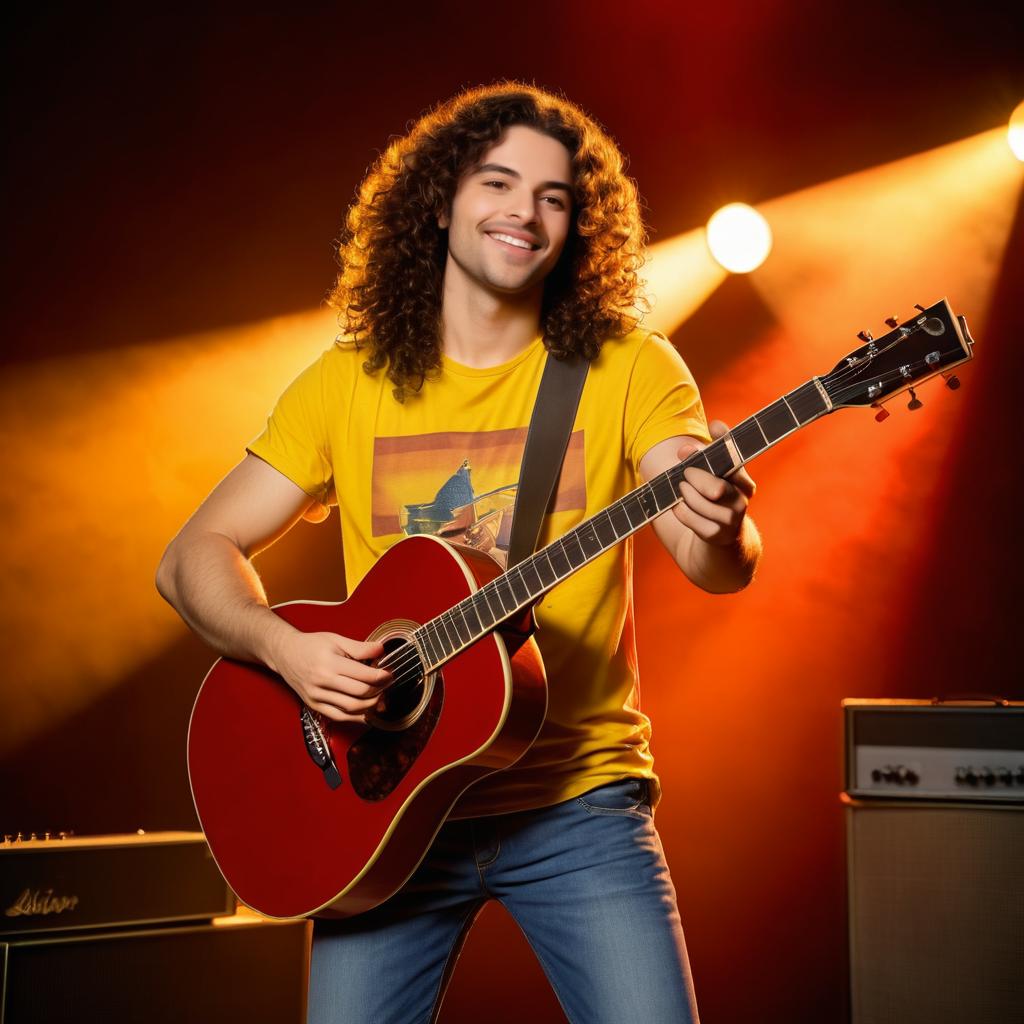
172	175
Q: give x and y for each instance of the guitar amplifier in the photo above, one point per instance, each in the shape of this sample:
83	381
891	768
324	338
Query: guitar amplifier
236	969
916	750
75	883
935	841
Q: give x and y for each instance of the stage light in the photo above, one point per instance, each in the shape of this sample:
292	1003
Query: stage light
134	438
739	238
679	275
1015	133
856	249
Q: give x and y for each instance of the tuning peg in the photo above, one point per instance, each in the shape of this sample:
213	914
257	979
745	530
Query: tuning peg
917	305
952	381
882	415
865	336
891	321
915	403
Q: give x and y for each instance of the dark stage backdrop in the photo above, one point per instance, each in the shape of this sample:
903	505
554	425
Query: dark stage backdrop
174	185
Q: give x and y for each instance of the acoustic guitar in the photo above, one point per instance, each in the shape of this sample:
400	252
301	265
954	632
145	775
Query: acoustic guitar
307	816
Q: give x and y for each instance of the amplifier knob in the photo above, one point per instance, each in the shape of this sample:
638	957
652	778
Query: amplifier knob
988	776
961	776
1005	776
970	778
1018	775
876	775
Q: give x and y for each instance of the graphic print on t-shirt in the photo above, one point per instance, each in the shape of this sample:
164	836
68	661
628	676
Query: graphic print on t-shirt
462	486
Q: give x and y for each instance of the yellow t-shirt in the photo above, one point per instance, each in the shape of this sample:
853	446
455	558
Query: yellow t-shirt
447	462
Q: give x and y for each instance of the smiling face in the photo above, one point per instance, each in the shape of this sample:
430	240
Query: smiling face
511	214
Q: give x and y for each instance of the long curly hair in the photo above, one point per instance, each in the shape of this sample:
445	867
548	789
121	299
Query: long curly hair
392	252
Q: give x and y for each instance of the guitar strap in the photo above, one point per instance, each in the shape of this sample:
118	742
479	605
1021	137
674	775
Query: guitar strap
547	439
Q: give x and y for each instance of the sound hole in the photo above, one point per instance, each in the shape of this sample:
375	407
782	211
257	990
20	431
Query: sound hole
404	697
397	734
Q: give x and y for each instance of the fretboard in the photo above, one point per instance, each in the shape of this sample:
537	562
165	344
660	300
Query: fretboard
443	637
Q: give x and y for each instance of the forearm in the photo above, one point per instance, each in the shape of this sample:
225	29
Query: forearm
720	568
216	590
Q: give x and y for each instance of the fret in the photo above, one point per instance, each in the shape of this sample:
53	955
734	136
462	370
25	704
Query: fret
559	560
492	595
718	458
647	501
665	494
506	595
426	644
588	539
471	617
619	519
796	420
634	513
806	403
515	578
447	639
604	529
483	611
748	439
485	593
546	570
528	571
462	632
570	552
777	421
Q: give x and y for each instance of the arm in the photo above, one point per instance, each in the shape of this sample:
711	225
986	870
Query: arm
708	533
207	576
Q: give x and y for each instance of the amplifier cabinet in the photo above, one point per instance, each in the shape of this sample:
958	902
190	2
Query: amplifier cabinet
936	905
108	882
935	885
252	971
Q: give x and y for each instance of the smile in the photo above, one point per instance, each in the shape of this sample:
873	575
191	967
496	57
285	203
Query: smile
519	243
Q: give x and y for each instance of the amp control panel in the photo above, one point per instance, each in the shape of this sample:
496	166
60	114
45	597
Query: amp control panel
924	751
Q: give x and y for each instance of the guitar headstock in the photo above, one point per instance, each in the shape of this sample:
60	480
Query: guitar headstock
929	343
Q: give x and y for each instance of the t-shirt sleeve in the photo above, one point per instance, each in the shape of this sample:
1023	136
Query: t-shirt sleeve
662	401
295	441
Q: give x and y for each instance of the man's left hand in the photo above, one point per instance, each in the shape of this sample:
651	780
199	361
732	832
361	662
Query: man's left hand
713	508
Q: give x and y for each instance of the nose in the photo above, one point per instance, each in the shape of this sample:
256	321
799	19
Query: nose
522	204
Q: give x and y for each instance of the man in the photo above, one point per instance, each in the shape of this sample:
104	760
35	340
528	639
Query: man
501	226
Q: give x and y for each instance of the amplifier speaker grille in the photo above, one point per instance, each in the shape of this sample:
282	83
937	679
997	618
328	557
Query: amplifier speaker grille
936	903
205	974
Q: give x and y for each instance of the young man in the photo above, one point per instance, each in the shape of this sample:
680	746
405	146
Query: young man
501	227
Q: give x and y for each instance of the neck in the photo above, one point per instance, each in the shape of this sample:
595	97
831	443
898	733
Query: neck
480	327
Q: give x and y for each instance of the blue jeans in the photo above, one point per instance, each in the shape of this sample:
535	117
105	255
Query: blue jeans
585	879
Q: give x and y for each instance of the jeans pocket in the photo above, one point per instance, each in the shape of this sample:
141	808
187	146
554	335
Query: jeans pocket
626	796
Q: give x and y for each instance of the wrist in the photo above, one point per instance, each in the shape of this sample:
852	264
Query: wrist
271	639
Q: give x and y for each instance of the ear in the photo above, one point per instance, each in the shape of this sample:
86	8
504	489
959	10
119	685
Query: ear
444	220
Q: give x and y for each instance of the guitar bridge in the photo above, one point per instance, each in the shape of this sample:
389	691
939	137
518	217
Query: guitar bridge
317	748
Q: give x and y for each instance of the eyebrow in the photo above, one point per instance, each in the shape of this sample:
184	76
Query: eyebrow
499	169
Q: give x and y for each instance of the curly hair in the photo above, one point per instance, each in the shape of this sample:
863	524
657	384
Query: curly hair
392	251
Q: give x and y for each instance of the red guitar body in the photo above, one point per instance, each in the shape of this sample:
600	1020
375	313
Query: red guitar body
290	840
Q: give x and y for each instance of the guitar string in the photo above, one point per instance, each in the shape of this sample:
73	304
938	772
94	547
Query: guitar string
409	664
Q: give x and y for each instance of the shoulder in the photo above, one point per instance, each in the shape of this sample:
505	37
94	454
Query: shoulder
644	348
339	368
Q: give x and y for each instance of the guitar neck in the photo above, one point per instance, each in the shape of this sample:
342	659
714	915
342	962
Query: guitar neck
443	637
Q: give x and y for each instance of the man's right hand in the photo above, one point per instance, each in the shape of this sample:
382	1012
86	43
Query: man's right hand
330	674
207	575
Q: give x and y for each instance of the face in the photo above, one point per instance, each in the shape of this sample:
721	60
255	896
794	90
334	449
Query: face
511	214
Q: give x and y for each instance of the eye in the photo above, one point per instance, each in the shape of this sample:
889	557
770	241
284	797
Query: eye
556	201
495	184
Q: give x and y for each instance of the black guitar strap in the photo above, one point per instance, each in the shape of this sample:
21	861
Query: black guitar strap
547	439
